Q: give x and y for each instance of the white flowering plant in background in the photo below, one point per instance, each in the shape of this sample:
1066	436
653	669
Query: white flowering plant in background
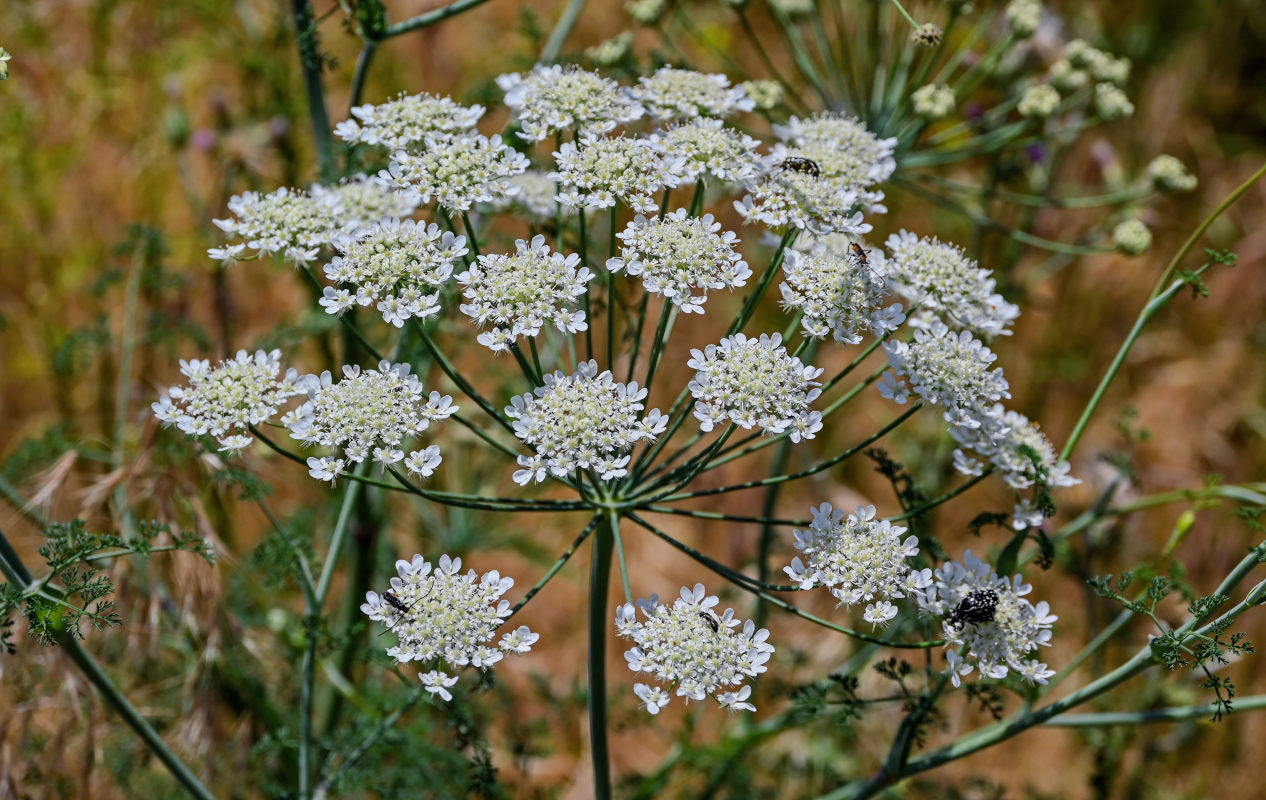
587	295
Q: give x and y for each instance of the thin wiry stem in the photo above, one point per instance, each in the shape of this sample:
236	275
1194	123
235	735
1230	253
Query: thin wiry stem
557	565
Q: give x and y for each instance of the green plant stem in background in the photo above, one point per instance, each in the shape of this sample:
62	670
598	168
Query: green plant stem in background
1172	714
431	17
16	573
565	23
310	60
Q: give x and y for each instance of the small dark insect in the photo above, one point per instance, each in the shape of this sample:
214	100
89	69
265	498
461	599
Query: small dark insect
979	606
395	602
801	164
711	619
859	253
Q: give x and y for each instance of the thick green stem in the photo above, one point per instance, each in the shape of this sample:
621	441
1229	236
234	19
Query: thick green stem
599	585
310	60
559	35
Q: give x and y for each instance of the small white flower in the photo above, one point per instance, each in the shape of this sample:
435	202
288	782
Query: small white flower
694	648
518	294
369	411
554	98
1039	100
458	172
597	172
289	222
225	401
676	254
581	421
1168	174
933	101
533	196
1016	447
766	94
860	559
326	469
438	683
709	147
1111	103
451	617
836	294
408	120
364	200
990	618
1132	237
755	383
935	275
950	370
1023	17
684	93
396	266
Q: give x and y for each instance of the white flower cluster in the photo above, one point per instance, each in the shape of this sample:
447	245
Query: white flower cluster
860	559
408	121
755	383
554	98
684	94
369	412
226	400
933	101
676	254
458	172
1170	175
399	266
939	277
598	171
1023	17
365	199
291	222
581	421
948	369
836	294
447	616
709	147
990	618
690	646
821	177
1132	237
765	93
1016	447
1039	100
532	195
520	293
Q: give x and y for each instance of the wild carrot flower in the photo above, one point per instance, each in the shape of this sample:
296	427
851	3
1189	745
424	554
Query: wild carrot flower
837	295
408	121
671	93
860	559
290	222
582	421
372	412
988	617
939	277
1168	174
948	369
933	101
709	147
677	254
225	400
755	383
397	266
598	171
690	646
449	618
458	172
520	293
366	199
553	98
1039	100
1132	237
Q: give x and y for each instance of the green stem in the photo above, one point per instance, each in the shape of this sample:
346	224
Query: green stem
558	565
431	17
338	537
363	63
387	723
599	585
611	289
559	35
1172	714
310	60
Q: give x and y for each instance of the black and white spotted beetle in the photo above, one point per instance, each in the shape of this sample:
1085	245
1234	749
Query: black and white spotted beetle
801	164
979	606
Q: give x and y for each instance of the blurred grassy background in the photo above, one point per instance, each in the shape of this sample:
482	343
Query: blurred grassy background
127	125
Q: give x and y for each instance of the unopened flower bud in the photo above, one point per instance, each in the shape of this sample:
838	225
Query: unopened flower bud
1132	237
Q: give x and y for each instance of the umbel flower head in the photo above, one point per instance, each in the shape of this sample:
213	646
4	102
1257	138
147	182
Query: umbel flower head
948	369
937	276
533	197
554	98
290	222
790	198
458	172
755	383
368	413
872	158
676	254
407	121
689	646
672	93
599	171
366	199
860	559
581	421
836	294
226	400
447	619
397	266
520	293
989	618
709	147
